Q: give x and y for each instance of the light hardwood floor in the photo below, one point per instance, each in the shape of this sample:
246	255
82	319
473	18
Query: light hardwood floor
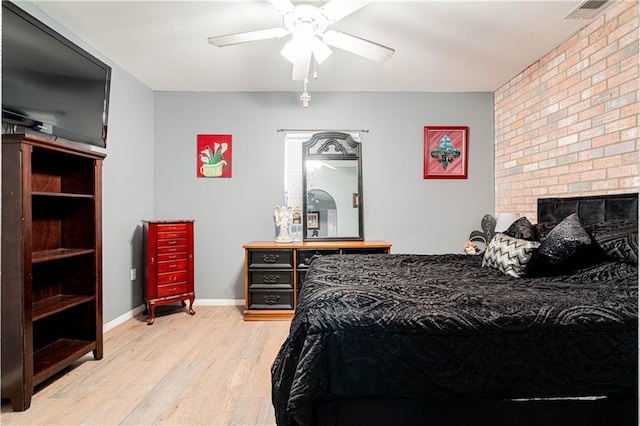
212	368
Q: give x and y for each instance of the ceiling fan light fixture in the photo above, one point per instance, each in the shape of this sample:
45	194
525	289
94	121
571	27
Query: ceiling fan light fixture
298	47
293	50
300	44
320	50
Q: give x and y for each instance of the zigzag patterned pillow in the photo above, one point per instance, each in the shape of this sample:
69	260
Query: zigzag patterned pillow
509	255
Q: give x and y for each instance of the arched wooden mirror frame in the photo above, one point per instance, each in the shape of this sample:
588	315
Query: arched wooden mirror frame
327	148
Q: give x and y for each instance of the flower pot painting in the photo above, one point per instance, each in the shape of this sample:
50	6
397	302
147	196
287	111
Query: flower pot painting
214	156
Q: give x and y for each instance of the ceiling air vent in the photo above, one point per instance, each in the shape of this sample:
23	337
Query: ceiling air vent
588	9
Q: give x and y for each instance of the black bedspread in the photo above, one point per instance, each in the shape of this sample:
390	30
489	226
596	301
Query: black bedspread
441	326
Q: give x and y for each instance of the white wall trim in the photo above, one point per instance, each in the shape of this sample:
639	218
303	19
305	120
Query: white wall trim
219	302
122	318
199	302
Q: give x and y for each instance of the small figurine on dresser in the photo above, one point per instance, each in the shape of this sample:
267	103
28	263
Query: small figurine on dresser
282	216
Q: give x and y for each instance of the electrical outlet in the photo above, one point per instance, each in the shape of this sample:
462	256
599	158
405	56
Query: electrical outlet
134	274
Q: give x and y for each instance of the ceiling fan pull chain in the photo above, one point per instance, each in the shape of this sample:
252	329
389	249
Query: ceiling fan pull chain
305	97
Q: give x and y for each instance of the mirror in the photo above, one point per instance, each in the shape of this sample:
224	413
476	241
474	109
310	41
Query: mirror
332	188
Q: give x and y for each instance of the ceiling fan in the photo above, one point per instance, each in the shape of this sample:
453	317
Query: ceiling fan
310	38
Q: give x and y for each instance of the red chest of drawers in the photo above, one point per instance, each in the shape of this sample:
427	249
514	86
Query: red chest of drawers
168	264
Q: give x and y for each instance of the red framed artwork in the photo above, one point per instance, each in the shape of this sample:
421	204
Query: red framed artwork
214	156
446	152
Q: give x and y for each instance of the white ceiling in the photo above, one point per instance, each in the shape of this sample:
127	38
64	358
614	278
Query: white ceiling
440	46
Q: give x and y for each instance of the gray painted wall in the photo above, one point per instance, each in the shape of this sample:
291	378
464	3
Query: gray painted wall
127	192
415	215
127	180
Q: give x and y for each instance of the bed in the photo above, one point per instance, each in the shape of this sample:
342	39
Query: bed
408	339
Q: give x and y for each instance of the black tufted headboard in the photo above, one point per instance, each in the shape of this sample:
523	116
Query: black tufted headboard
590	208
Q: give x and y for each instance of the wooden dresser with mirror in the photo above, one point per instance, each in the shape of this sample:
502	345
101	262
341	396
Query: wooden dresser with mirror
331	201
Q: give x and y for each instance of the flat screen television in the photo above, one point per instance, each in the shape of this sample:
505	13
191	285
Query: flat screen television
49	84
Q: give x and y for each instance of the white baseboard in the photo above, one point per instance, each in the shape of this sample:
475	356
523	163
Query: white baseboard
219	302
199	302
122	318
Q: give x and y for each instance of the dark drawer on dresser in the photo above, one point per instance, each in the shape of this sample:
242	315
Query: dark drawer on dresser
270	299
305	257
374	250
270	258
271	278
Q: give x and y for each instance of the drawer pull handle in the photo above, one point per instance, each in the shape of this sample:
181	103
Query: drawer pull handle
270	258
271	299
270	279
172	242
173	265
173	289
307	260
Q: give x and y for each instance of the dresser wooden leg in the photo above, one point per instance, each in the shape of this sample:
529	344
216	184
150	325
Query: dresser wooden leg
191	300
152	314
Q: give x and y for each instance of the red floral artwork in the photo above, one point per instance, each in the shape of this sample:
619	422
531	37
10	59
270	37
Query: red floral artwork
214	156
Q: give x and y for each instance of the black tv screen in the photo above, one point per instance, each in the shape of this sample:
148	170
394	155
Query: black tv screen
49	84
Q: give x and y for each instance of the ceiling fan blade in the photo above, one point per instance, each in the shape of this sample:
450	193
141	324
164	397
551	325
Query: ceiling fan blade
302	66
335	10
283	6
238	38
359	46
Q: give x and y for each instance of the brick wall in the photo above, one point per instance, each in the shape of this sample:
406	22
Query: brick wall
568	124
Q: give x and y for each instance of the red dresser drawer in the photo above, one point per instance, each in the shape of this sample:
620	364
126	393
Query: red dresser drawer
171	249
172	265
171	289
172	235
173	242
172	277
172	256
172	227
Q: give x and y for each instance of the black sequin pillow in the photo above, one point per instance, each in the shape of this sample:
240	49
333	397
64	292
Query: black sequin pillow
617	238
509	255
522	229
563	243
543	229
